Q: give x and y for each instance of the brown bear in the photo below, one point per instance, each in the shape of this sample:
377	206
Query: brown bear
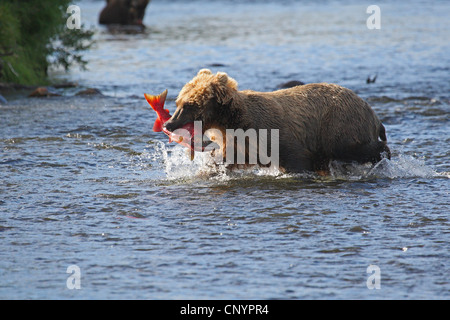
124	12
316	123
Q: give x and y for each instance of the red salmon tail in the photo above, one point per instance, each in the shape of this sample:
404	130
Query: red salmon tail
156	102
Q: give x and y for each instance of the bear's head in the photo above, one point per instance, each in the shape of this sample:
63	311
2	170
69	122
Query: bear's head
207	98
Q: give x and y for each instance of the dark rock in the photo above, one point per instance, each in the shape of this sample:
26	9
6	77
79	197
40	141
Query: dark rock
42	92
89	92
216	65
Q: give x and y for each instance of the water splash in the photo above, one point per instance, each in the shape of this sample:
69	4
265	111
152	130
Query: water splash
402	166
176	163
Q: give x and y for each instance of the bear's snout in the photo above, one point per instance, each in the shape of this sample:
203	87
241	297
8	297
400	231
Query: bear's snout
175	123
172	125
181	117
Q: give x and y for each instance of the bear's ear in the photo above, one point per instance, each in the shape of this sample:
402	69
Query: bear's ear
224	87
224	79
204	71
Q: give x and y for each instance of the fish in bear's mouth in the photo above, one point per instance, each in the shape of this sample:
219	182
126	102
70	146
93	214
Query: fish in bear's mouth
188	134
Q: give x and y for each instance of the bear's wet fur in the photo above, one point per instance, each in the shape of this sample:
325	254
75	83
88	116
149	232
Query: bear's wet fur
317	122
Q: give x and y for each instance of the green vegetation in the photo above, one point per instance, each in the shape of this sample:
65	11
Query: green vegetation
33	36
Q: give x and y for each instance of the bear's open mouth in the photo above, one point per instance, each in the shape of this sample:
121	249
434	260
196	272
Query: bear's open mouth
190	136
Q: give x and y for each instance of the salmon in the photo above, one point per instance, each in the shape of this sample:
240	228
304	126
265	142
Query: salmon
183	135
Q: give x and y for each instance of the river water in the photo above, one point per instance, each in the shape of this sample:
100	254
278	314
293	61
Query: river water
85	181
